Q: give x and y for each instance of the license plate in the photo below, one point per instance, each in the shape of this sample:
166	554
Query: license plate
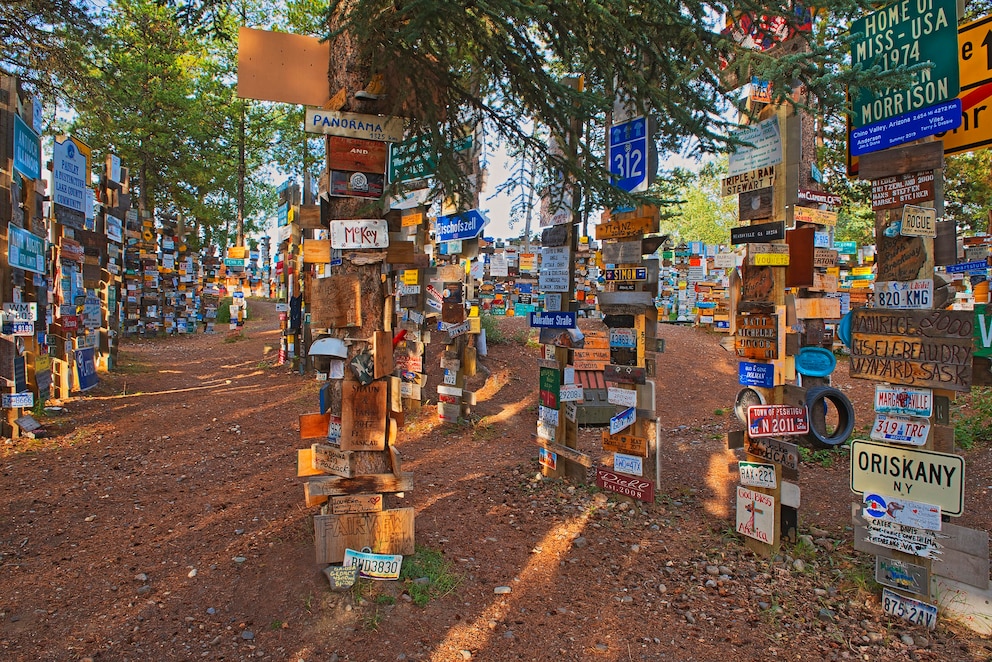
757	474
908	609
374	566
913	294
776	420
900	429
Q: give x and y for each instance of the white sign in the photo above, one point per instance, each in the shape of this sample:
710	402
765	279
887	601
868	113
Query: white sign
910	294
69	175
403	289
918	221
911	540
724	261
497	265
552	302
553	273
901	511
628	464
757	474
359	233
931	477
761	147
14	400
354	125
904	400
373	566
20	312
624	397
755	515
623	420
909	609
570	393
548	416
901	429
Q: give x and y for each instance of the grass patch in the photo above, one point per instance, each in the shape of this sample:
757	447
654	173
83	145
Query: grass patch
494	333
430	564
824	457
972	418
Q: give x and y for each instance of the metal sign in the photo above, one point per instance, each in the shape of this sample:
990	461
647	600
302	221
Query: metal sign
757	474
901	511
359	234
755	515
623	420
466	225
918	221
907	295
625	274
895	36
553	320
902	575
908	609
914	125
628	464
975	53
760	233
903	400
17	400
25	250
760	146
776	421
900	429
355	125
629	155
20	312
27	150
373	566
908	539
571	393
756	374
927	476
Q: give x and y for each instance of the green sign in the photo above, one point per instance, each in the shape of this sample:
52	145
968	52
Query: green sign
234	262
550	384
846	247
411	159
25	250
906	34
983	331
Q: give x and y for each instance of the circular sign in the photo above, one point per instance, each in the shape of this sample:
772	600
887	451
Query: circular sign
815	361
875	506
746	397
844	329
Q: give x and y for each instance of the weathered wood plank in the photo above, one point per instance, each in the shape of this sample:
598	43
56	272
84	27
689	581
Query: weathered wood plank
338	486
385	532
314	426
566	452
901	160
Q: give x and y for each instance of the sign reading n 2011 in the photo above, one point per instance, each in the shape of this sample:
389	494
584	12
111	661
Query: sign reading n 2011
467	225
906	34
776	421
629	154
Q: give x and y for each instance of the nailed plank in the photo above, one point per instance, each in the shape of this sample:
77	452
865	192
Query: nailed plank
901	160
329	459
382	352
356	503
566	452
625	443
363	416
622	252
824	308
337	485
401	252
310	499
385	532
314	426
316	251
336	302
967	605
304	463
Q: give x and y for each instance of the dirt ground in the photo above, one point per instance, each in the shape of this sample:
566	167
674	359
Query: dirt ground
162	519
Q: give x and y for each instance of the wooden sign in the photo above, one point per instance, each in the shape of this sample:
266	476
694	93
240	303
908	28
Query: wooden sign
314	426
363	416
757	337
900	190
774	450
898	257
622	252
918	221
556	235
359	234
316	251
913	347
811	215
748	181
356	503
591	359
624	374
819	308
385	532
356	154
824	257
756	205
336	302
758	285
625	443
926	476
620	228
631	486
756	515
333	461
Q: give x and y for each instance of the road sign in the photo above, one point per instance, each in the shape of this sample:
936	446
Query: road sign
900	35
629	154
927	476
467	225
975	53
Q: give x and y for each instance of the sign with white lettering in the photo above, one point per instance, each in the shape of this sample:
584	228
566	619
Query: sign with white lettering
623	420
776	421
466	225
359	233
756	374
930	477
553	320
355	125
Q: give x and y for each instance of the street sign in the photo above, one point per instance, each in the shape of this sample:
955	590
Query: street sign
629	155
927	476
553	320
975	53
905	34
467	225
920	123
70	175
25	250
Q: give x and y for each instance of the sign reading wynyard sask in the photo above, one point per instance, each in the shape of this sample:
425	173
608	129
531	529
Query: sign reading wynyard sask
903	34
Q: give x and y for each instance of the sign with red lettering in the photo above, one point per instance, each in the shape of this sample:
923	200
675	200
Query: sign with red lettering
359	233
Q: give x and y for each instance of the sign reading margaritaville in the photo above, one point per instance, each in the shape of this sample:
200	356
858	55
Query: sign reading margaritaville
906	34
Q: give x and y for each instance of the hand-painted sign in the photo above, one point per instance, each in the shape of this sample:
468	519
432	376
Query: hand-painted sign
918	221
900	429
900	35
373	566
748	181
355	125
550	386
359	233
553	320
755	515
757	337
819	197
27	150
901	511
623	420
625	443
903	400
757	474
625	227
776	421
908	609
363	416
906	295
913	347
900	190
628	464
908	539
760	233
928	476
466	225
629	154
624	397
760	146
756	374
817	216
902	575
620	483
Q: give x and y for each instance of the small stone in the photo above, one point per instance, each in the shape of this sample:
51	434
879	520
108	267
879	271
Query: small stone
799	565
215	640
922	642
191	573
819	533
689	618
806	539
825	543
819	592
662	588
509	634
875	637
825	615
239	559
90	518
465	655
906	639
562	610
626	600
406	597
401	657
141	577
247	635
710	583
713	570
635	548
238	532
724	570
502	590
144	590
763	606
422	581
602	648
580	542
211	611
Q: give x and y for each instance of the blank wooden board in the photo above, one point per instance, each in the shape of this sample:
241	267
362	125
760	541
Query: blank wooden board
385	532
337	302
314	426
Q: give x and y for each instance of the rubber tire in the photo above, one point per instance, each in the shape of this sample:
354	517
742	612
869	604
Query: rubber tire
816	398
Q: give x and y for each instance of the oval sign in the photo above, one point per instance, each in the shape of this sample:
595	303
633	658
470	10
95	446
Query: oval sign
815	362
746	397
844	328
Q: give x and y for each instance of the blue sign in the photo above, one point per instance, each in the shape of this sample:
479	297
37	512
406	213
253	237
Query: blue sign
629	154
27	150
467	225
815	361
846	247
977	265
553	320
821	240
85	368
901	129
69	175
525	288
756	374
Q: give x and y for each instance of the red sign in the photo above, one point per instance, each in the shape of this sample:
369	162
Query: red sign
776	421
70	323
623	484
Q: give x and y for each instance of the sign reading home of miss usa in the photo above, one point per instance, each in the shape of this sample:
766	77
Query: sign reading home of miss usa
467	225
553	320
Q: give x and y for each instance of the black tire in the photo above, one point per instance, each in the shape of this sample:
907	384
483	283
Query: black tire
816	399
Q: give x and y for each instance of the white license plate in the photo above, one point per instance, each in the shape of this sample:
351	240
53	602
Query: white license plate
909	609
900	429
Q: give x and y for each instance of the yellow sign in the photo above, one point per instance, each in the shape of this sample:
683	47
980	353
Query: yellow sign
236	252
411	220
771	260
861	271
410	276
818	216
528	262
625	228
975	53
975	66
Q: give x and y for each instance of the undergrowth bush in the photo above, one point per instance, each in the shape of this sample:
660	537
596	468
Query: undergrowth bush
972	418
494	333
